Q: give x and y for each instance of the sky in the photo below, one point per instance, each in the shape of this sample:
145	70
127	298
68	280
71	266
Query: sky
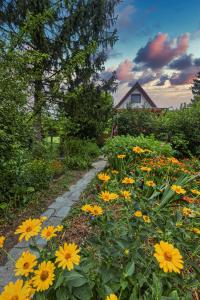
159	46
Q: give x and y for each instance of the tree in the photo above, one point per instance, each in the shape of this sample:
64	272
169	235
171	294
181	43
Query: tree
59	30
196	86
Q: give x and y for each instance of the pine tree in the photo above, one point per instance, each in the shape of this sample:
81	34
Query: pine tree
59	30
196	87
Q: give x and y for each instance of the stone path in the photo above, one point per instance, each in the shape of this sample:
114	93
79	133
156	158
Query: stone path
55	213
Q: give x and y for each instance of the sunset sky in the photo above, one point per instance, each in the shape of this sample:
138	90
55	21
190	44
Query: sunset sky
159	45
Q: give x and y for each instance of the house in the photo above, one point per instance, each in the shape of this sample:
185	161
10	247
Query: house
136	97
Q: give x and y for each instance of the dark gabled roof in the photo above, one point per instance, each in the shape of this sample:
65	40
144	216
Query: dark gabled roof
142	91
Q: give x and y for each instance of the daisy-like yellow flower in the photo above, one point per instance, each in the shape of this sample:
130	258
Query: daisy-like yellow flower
48	232
25	264
195	192
15	291
196	230
178	189
126	252
28	229
150	183
121	156
114	172
59	228
103	177
111	297
128	180
146	219
96	210
137	149
169	258
138	214
146	169
42	219
107	196
187	211
125	194
86	208
44	276
173	160
2	240
67	256
29	286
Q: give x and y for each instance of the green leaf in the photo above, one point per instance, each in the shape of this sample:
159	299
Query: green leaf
83	292
130	269
61	294
59	281
75	279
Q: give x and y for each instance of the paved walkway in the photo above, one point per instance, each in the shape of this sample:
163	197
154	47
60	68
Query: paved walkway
55	213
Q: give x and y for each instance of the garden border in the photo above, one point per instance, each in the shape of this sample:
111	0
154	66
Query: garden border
55	213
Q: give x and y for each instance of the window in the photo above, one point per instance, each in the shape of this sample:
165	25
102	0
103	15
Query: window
135	98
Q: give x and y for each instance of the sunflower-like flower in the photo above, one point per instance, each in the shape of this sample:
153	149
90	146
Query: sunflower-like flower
103	177
121	156
195	192
49	232
173	160
128	180
169	258
107	196
150	183
44	276
138	214
15	291
138	150
59	228
86	208
96	210
67	256
146	219
125	194
114	172
111	297
28	229
196	230
178	189
146	169
187	211
2	240
25	264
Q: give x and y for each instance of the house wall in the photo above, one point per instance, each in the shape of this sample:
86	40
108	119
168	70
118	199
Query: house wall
143	104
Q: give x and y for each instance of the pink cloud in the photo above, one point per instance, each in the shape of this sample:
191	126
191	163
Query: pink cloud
160	51
124	70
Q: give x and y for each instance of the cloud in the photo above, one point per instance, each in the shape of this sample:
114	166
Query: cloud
183	62
163	78
124	70
161	50
184	77
125	16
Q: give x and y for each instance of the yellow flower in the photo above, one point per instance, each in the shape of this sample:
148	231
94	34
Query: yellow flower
187	211
42	219
137	149
173	160
48	232
195	192
103	177
146	219
150	183
138	214
107	196
145	169
179	224
114	172
67	256
111	297
96	210
125	194
126	252
169	258
25	264
59	228
86	208
44	276
128	180
28	229
29	286
196	230
15	291
121	156
178	189
2	239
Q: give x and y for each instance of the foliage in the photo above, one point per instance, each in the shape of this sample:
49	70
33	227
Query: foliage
196	87
119	255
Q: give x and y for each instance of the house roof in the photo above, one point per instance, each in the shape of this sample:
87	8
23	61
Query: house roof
142	91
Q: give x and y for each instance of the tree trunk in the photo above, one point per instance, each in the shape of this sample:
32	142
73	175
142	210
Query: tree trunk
37	110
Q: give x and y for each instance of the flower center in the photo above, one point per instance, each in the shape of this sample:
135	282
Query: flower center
26	265
28	229
168	256
15	297
67	255
44	275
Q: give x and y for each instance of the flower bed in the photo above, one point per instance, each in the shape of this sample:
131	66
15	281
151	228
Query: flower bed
145	242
